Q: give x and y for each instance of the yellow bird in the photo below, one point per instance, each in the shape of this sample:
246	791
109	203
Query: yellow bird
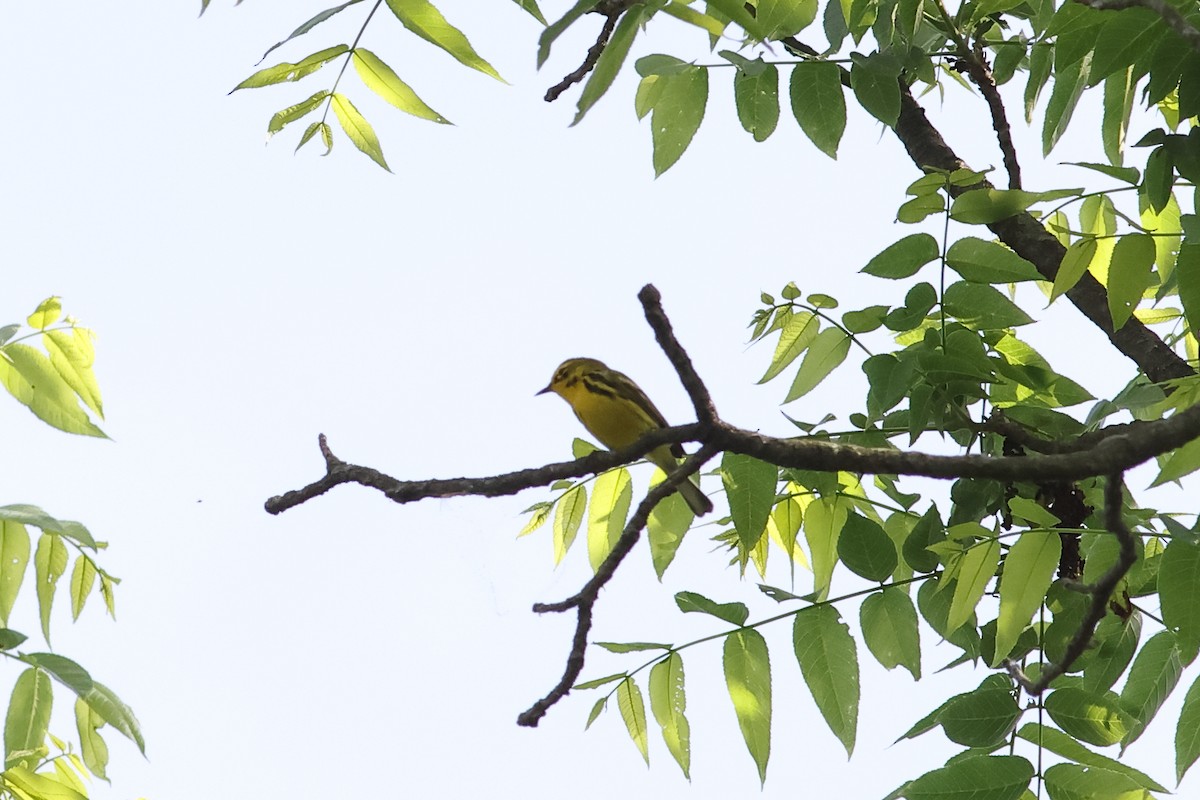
618	413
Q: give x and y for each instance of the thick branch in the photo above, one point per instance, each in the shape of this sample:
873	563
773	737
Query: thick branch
585	600
1028	239
1100	592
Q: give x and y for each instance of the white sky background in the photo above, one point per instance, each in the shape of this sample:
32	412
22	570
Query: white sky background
247	299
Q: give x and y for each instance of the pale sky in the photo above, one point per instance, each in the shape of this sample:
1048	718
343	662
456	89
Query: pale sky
247	299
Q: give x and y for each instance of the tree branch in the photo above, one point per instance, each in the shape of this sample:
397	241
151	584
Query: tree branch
1100	591
585	600
1030	240
611	10
981	76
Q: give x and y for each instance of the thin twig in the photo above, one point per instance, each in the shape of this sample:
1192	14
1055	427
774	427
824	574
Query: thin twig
585	600
1100	592
611	13
702	401
981	75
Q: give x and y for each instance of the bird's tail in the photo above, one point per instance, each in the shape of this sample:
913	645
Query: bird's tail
696	499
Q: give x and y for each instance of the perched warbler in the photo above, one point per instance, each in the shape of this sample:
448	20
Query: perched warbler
618	413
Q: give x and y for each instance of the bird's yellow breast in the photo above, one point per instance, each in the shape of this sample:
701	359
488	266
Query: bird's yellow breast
615	422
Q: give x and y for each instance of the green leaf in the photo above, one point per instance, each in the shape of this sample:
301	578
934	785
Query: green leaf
600	705
1126	36
1090	717
678	103
750	485
782	18
866	549
631	647
982	307
1115	640
823	522
28	718
555	29
83	580
757	100
532	7
1152	678
283	118
612	495
312	130
975	778
49	563
538	514
358	129
1075	782
873	81
611	59
982	718
818	104
32	379
305	28
383	81
1069	83
598	682
904	258
797	334
568	516
977	567
1064	745
985	206
1187	268
1187	733
10	638
1028	572
935	608
889	627
633	712
748	676
1078	257
1040	62
1179	593
827	351
1118	106
1130	274
26	783
62	669
669	521
690	602
1032	512
1129	175
14	556
980	261
423	19
680	10
668	702
109	707
94	748
48	312
735	10
287	71
829	661
864	320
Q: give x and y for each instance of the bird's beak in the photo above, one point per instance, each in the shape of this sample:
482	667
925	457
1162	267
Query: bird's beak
543	391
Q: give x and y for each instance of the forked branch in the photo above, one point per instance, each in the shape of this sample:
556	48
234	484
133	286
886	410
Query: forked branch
1109	455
